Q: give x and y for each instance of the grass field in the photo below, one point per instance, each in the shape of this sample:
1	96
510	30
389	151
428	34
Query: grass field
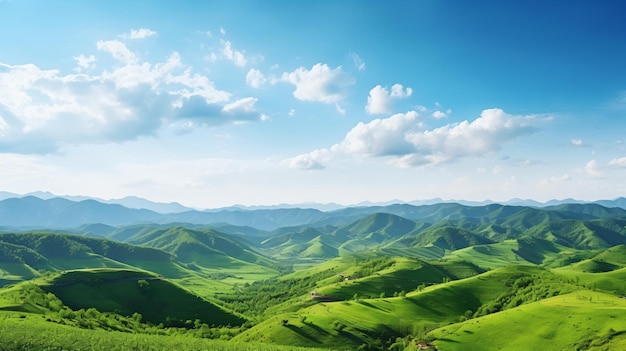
28	332
574	321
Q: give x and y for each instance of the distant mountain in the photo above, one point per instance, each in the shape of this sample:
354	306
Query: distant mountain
7	195
308	205
59	213
619	202
128	201
206	246
33	212
139	203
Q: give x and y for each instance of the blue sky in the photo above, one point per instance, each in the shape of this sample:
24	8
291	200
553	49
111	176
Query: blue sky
247	102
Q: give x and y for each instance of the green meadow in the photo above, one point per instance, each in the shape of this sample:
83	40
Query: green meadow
491	278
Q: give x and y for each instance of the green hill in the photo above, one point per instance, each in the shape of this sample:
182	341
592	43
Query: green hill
27	255
127	292
206	247
372	321
27	332
581	320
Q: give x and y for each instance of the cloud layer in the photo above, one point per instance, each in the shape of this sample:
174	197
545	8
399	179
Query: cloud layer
41	109
405	141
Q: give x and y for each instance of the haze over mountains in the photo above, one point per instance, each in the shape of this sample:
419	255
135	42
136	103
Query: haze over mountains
32	212
134	202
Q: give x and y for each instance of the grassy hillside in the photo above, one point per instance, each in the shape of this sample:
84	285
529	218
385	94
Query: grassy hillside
379	278
201	246
580	320
368	321
128	292
23	332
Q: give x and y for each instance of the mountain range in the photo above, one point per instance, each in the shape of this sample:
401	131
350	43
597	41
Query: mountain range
135	202
31	212
378	275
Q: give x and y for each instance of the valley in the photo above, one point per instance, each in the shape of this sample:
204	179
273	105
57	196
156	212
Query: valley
443	276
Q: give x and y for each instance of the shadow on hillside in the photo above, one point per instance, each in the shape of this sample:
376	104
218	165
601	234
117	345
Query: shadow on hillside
367	304
424	306
316	327
351	337
302	333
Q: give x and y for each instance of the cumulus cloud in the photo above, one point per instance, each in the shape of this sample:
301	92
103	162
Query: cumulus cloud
592	169
405	142
438	114
380	100
255	78
320	83
237	57
140	33
381	137
43	109
84	62
618	162
309	161
485	134
577	142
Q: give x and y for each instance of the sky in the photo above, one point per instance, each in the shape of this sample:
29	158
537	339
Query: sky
217	103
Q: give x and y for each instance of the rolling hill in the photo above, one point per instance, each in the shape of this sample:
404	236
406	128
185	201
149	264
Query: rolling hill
127	292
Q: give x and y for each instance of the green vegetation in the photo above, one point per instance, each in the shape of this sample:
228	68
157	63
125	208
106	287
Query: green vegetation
581	320
23	332
129	292
447	276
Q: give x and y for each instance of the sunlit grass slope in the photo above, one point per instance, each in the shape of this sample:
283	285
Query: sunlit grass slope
575	321
362	321
27	332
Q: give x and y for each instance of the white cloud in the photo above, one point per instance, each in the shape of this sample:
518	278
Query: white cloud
380	100
42	110
84	62
592	169
312	160
320	83
255	78
211	58
140	33
223	31
398	91
577	142
340	110
117	49
618	162
241	105
438	114
237	57
403	140
292	112
358	62
381	137
556	179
